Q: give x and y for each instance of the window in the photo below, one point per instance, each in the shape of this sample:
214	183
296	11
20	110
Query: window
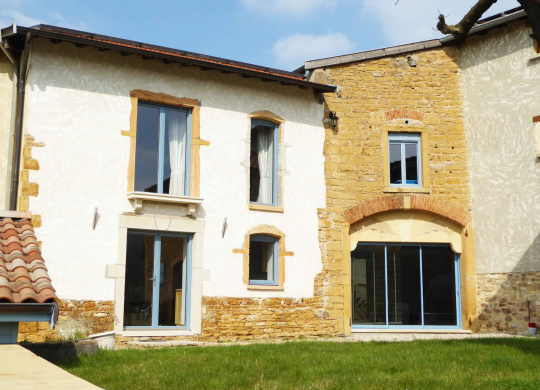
263	260
158	280
405	286
404	152
162	158
264	163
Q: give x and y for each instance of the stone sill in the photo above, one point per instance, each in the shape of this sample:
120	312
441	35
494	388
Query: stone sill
255	287
409	190
261	207
137	198
442	331
15	214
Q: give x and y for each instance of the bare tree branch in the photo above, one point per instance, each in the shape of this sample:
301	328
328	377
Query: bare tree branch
461	29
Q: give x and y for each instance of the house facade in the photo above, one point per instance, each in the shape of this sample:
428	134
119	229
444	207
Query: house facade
398	189
173	196
185	196
463	117
501	77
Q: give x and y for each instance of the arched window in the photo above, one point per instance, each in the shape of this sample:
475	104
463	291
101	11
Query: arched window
263	260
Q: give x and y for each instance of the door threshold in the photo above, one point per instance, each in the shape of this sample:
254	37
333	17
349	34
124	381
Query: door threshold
441	331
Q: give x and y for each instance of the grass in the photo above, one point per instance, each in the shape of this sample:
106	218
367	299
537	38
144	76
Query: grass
504	364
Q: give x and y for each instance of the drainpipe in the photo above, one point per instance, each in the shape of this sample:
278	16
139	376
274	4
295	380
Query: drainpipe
18	131
11	141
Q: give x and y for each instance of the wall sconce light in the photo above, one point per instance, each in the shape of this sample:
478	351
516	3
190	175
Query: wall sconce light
333	118
411	62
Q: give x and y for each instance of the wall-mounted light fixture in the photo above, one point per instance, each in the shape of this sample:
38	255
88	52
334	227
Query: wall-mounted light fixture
333	118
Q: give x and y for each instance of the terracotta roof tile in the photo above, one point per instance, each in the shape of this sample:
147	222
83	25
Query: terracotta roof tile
23	274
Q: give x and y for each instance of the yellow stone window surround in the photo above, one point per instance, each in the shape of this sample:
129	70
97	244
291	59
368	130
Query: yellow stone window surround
196	141
423	131
272	231
270	117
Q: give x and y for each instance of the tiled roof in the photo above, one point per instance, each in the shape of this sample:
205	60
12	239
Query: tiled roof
23	274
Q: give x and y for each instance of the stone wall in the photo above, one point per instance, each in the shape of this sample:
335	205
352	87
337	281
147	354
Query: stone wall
263	318
381	93
502	301
83	317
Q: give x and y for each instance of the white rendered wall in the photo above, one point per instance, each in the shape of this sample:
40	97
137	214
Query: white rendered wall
77	103
501	83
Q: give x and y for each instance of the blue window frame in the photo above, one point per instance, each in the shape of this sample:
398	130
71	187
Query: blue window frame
417	289
264	163
163	149
158	281
404	158
263	260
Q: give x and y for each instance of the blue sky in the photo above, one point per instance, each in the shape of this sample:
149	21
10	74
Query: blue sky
276	33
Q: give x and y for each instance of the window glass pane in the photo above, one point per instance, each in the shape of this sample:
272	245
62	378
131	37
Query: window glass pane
174	161
254	176
394	152
411	163
404	295
139	284
146	154
261	261
172	292
262	163
368	285
438	271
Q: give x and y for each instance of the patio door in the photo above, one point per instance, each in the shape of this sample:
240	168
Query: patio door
405	287
158	281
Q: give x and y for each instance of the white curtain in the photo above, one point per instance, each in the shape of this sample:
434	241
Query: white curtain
176	126
265	140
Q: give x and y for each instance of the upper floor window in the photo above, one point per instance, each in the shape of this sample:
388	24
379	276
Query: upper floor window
263	260
162	158
264	163
404	152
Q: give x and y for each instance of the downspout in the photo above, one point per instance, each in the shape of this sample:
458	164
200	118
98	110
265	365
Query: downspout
11	141
18	131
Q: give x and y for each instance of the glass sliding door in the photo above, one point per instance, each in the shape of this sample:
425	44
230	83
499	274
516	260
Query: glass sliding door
405	286
440	304
158	280
368	285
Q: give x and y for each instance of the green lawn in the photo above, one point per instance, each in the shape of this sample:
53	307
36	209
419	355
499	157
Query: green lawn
435	364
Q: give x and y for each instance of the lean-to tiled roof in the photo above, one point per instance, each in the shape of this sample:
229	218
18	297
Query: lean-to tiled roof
23	274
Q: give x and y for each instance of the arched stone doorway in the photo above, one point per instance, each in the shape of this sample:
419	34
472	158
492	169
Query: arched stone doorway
403	257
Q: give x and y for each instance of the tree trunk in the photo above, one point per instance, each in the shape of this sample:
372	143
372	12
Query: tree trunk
532	7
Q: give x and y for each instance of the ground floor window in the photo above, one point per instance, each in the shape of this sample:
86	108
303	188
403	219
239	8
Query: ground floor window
263	260
405	286
158	280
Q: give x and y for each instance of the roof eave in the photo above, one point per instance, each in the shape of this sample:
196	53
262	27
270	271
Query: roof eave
372	54
29	312
143	51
